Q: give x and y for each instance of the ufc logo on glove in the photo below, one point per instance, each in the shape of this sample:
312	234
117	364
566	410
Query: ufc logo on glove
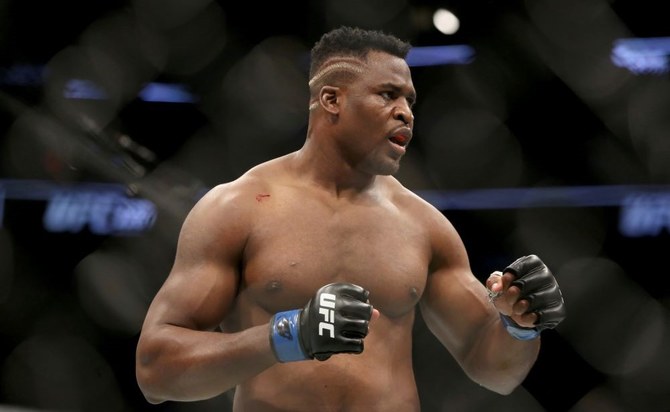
326	308
311	332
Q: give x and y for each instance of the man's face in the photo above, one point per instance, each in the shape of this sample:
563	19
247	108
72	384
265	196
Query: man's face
376	115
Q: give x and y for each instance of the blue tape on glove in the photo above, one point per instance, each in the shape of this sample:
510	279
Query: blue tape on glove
285	338
517	331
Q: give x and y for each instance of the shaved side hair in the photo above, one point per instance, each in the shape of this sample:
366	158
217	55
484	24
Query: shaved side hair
341	54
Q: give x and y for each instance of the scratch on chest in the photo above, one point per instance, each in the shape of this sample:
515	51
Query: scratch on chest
261	196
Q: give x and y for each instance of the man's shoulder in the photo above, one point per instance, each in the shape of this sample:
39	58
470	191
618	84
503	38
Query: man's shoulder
259	179
243	185
407	196
264	173
411	203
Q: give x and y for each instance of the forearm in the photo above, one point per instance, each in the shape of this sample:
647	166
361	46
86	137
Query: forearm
498	361
175	363
528	295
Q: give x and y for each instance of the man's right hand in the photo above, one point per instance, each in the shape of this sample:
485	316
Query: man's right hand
334	321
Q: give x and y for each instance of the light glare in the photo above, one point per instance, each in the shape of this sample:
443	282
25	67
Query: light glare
445	21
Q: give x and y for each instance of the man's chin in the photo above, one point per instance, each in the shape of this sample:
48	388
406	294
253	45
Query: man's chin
386	166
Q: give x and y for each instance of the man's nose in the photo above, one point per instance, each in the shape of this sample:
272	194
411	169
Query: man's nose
404	113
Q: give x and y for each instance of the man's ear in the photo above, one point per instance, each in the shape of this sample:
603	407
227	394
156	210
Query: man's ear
329	99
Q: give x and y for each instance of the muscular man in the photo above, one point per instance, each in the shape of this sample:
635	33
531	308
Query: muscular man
297	284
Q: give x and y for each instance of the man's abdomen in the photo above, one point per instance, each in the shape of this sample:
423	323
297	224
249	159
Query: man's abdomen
379	379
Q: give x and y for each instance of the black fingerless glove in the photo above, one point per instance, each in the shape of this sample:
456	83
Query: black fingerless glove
335	320
539	287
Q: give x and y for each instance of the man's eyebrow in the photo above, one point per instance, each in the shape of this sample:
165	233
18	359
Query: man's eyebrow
399	90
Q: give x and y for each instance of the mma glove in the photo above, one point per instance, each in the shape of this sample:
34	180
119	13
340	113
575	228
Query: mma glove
539	287
334	321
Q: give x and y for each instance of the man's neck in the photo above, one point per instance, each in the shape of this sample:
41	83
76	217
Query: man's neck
326	169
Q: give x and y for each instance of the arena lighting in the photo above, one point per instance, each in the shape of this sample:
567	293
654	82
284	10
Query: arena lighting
562	196
102	212
645	215
644	210
445	21
102	208
164	92
24	75
106	209
83	89
642	55
152	92
439	55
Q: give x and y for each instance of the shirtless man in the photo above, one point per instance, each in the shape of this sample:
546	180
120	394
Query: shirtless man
297	284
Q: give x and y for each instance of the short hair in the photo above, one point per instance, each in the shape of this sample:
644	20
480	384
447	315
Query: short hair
344	50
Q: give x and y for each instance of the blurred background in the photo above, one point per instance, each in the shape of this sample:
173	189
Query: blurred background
541	127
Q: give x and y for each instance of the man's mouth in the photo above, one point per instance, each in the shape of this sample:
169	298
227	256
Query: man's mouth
400	139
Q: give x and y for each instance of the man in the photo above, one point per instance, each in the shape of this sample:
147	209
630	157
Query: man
297	284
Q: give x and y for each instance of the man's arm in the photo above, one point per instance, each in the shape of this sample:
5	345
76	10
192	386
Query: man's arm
179	355
456	308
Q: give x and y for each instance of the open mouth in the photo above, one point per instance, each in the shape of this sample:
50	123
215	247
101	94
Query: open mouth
400	140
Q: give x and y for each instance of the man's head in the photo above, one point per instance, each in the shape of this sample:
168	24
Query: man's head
342	54
361	98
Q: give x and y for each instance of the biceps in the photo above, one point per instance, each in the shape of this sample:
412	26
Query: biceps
454	308
195	297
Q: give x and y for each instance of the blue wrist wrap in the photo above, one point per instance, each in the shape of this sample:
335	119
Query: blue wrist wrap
284	336
517	331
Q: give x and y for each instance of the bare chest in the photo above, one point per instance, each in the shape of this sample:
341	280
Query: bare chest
295	250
